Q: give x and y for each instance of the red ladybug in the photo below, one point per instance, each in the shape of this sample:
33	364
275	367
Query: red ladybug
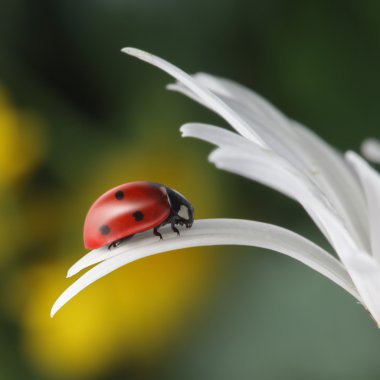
132	208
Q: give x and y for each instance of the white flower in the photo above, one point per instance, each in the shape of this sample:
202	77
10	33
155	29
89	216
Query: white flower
340	193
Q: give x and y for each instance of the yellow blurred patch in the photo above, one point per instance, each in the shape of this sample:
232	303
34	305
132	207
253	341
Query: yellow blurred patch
133	314
21	142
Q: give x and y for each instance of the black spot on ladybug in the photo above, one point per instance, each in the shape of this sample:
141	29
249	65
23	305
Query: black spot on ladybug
104	229
119	195
138	215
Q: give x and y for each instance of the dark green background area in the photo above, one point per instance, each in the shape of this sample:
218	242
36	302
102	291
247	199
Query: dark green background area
318	61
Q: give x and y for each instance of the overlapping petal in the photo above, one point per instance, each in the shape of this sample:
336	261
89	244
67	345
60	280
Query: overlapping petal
304	150
370	181
261	165
207	97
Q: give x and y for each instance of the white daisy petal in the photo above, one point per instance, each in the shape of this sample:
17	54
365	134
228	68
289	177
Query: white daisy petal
261	165
268	134
266	112
336	180
267	171
219	136
267	121
93	257
97	255
220	232
277	177
299	146
363	268
238	155
370	180
207	97
265	167
371	150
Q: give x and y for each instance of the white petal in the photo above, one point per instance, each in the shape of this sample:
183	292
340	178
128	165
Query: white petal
207	97
239	156
370	180
266	170
266	120
363	268
264	111
357	262
279	178
97	255
371	150
303	149
219	232
220	136
276	138
93	257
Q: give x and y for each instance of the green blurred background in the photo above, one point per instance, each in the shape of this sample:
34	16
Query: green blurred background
77	117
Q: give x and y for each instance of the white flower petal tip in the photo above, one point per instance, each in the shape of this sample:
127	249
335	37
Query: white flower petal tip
208	232
370	149
143	55
91	258
53	310
197	90
97	255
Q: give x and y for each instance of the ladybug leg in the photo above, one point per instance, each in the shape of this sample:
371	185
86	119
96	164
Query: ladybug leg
174	228
116	243
156	233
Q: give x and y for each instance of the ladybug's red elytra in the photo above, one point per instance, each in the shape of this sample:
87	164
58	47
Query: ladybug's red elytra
134	207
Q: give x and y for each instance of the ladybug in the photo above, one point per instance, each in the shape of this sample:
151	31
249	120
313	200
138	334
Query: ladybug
132	208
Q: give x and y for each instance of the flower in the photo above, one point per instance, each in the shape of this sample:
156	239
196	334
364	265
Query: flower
341	193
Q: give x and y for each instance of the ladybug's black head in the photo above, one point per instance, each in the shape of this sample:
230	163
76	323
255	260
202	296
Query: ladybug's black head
182	210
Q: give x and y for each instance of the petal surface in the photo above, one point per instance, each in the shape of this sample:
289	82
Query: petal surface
216	232
303	149
362	267
238	156
370	180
